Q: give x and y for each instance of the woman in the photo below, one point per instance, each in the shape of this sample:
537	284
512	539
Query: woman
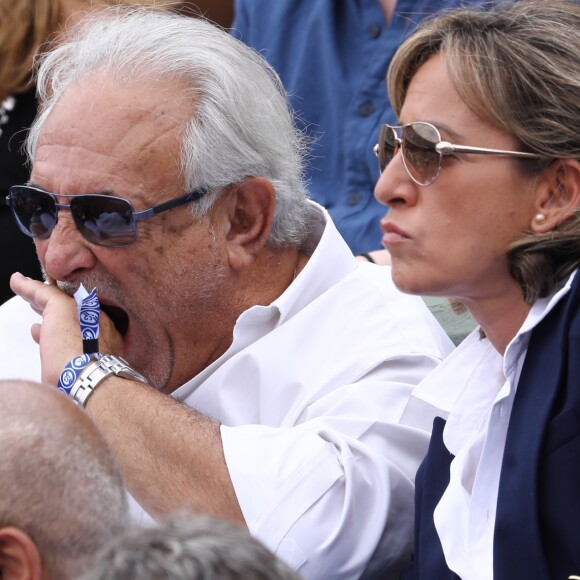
483	184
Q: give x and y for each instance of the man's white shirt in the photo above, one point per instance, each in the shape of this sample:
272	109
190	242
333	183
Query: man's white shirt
310	397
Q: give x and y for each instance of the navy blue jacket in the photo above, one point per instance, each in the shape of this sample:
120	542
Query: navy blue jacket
537	529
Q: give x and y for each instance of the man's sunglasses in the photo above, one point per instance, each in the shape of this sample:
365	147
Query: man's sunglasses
423	149
104	220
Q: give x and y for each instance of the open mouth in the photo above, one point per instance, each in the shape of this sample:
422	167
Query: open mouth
118	316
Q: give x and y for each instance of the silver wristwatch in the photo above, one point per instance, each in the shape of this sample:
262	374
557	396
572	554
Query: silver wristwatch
97	371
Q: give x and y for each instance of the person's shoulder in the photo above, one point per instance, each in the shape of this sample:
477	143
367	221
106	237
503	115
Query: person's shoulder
16	310
380	287
403	319
19	356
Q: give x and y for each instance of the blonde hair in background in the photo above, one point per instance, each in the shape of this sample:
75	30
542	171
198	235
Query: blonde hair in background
24	26
28	25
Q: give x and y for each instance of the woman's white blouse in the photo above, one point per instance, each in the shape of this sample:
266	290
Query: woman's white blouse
474	388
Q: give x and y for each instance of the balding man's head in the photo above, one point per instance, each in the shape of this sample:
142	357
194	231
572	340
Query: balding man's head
59	483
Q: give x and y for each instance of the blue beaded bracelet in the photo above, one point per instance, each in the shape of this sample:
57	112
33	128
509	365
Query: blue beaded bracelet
72	370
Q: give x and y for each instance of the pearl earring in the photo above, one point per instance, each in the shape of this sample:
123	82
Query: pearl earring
540	217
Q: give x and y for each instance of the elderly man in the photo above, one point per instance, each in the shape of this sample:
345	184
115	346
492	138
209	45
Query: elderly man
167	174
61	494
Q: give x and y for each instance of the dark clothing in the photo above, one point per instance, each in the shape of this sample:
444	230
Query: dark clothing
332	56
18	253
537	527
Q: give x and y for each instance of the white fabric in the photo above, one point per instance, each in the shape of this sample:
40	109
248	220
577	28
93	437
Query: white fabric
475	389
310	396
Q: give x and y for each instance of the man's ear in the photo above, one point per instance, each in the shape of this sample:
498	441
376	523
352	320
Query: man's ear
250	213
19	556
557	195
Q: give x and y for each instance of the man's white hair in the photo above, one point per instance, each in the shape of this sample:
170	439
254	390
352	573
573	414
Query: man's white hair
187	547
241	124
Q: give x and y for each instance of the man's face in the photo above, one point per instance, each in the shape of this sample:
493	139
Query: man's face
161	291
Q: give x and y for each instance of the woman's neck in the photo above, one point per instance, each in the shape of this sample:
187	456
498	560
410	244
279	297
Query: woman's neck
500	316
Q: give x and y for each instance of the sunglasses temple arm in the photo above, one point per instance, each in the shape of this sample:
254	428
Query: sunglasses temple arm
188	198
445	148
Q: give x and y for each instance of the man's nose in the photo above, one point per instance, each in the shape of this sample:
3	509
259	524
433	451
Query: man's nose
65	252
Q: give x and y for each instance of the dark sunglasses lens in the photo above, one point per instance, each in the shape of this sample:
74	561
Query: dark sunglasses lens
34	210
387	146
104	220
421	157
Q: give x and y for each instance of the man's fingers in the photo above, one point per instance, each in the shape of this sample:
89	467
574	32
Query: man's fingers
36	293
29	290
35	332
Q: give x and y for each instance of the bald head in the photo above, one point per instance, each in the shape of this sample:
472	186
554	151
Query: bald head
35	403
59	483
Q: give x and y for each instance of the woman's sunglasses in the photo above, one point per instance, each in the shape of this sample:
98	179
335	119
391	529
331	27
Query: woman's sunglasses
104	220
423	150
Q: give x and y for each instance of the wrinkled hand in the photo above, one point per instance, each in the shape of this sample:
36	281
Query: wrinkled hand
59	334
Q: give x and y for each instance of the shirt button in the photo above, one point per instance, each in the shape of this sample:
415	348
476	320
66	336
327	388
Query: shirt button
374	30
366	109
353	199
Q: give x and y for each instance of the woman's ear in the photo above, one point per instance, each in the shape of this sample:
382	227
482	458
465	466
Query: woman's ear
250	213
557	195
19	556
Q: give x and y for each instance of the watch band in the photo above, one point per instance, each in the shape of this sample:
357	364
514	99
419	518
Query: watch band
97	371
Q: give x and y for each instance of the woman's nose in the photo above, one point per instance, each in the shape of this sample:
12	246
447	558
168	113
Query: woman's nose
395	186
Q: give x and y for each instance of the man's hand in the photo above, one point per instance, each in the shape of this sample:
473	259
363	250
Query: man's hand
59	334
153	460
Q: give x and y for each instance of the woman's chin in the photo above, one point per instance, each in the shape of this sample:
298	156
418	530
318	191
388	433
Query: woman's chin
406	281
413	282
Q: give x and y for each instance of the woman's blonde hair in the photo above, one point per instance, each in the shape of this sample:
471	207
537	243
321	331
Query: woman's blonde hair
517	66
28	25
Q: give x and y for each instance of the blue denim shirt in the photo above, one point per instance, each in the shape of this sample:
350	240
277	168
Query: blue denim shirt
332	56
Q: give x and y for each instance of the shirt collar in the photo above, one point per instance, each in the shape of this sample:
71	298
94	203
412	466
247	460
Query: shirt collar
330	261
453	389
539	310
